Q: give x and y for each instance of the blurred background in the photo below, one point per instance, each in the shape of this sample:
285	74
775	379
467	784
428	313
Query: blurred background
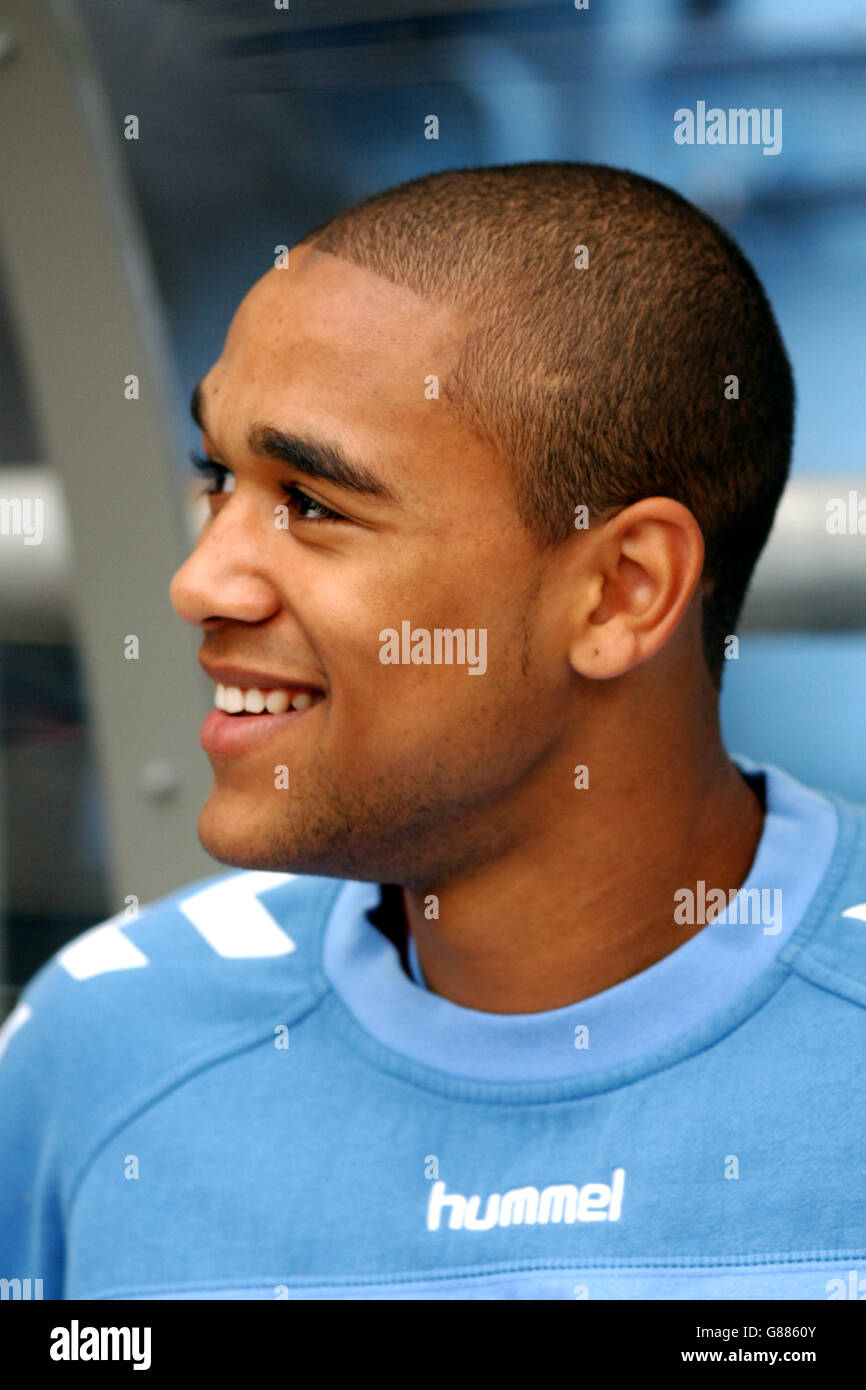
153	153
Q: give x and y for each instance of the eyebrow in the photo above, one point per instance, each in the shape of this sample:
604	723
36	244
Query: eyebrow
315	459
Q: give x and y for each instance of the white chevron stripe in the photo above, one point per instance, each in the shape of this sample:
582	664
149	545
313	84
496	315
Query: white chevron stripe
858	911
18	1016
99	951
232	920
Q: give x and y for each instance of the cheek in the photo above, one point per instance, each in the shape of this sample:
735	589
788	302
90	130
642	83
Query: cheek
384	640
391	714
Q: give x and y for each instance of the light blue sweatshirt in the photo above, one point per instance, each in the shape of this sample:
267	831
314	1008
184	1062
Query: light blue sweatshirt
241	1095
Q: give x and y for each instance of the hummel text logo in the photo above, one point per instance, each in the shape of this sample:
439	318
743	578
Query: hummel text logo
526	1206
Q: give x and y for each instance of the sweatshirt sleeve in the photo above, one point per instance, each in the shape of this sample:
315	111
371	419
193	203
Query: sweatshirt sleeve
31	1229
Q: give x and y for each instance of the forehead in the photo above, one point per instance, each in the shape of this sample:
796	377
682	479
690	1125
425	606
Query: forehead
331	348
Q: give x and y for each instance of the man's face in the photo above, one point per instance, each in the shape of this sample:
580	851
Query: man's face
402	773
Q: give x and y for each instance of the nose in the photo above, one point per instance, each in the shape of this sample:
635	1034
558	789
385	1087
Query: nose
225	577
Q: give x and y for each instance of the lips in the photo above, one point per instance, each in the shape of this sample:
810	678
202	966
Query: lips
252	706
228	735
248	678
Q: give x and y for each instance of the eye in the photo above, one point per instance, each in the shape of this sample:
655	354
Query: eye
220	478
221	481
306	507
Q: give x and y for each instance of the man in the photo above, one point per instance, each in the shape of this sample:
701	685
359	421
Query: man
526	989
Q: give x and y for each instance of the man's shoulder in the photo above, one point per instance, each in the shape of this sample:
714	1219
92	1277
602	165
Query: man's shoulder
830	947
146	995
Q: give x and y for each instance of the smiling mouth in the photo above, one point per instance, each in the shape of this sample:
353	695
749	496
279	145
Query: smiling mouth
234	699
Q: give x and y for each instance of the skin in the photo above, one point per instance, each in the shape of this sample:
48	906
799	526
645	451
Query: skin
424	776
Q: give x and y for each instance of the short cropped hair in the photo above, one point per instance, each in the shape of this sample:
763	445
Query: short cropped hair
601	375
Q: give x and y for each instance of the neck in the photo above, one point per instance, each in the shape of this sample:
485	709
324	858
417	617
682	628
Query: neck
587	900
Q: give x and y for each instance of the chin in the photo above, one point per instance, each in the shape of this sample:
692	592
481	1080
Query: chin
236	839
248	838
322	839
226	850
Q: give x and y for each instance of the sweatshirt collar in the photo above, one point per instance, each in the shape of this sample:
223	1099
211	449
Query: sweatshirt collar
638	1016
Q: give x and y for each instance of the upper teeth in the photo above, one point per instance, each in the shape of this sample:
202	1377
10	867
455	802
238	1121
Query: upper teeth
233	700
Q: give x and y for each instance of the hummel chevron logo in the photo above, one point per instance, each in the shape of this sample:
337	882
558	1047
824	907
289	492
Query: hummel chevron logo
101	950
234	922
228	915
18	1017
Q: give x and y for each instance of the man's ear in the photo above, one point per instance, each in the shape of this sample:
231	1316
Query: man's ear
639	572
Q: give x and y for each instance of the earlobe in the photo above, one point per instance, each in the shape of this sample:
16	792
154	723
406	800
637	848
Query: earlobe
606	655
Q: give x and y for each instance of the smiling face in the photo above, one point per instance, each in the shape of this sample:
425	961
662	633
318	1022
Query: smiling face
403	773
